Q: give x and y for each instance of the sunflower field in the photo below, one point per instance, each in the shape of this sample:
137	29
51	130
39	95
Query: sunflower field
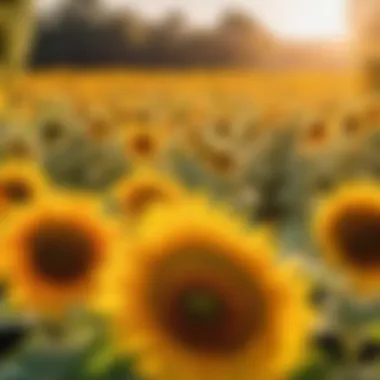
200	225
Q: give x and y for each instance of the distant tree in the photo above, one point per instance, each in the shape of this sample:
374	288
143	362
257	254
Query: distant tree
85	34
241	39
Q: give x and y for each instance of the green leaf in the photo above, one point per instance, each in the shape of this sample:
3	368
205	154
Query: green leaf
316	370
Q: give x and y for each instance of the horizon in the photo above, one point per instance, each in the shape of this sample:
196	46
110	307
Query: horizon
295	20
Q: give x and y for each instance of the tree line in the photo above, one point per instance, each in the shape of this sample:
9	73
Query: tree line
83	34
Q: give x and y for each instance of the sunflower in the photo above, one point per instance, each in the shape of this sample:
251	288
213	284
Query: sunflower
21	184
52	131
250	131
351	125
56	130
203	300
145	189
55	253
19	147
224	162
223	127
144	144
316	136
347	227
99	126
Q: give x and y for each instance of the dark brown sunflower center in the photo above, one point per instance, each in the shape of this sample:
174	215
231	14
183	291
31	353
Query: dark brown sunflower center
317	132
16	191
53	132
19	148
351	125
61	252
143	145
223	162
214	307
144	198
357	233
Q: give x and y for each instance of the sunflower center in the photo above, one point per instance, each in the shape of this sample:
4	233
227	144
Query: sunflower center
19	148
224	163
144	198
16	191
201	306
317	133
53	131
357	233
206	303
351	125
143	144
61	252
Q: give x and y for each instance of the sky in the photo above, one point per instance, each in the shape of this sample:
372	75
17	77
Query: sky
291	19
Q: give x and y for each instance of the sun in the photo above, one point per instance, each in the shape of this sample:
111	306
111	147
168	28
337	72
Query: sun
309	19
290	19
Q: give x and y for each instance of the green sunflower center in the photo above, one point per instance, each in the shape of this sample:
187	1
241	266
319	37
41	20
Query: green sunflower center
202	306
